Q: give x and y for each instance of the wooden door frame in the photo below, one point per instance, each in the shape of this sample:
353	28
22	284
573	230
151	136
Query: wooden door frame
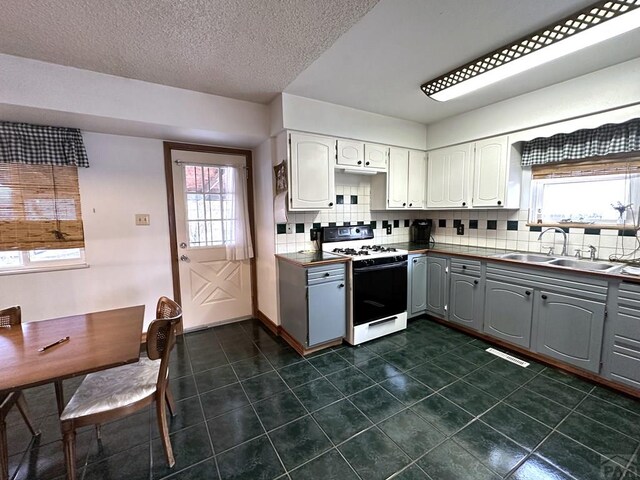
173	237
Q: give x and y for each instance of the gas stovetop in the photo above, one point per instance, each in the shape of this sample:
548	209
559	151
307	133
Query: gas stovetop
368	251
350	241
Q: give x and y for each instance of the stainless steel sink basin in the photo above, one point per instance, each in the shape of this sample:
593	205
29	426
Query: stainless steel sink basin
527	257
584	264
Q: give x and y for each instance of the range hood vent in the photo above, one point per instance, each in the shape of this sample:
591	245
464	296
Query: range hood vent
358	171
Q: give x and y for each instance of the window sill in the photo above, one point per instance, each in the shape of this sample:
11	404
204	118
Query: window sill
50	268
598	226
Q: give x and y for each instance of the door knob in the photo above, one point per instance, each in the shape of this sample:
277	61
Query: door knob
544	297
183	245
341	285
528	292
184	258
475	282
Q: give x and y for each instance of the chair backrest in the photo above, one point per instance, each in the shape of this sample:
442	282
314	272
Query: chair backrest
161	336
161	332
10	316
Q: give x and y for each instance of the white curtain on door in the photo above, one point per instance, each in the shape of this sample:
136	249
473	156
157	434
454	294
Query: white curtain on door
240	248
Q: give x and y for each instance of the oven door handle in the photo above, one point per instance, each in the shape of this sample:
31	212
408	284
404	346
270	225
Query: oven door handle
385	266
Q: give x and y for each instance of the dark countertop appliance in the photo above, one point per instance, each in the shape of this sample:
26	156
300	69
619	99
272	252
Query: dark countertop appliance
420	231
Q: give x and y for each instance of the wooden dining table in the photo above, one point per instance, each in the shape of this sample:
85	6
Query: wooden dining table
97	341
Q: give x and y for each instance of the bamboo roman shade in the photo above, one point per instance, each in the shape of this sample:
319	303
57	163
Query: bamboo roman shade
587	168
39	207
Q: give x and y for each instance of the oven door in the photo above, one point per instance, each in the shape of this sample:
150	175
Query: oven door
379	291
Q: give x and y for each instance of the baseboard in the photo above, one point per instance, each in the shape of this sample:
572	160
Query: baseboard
298	347
270	324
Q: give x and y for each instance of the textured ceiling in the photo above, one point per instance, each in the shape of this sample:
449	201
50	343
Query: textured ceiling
366	54
244	49
380	63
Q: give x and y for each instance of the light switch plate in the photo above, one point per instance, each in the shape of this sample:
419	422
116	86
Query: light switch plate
143	219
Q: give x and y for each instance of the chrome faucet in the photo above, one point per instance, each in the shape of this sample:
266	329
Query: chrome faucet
592	253
564	238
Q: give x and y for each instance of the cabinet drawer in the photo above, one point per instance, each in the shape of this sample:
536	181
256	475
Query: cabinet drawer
465	267
325	274
625	354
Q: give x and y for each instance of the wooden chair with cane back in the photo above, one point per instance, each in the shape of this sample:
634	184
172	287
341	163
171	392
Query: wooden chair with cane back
10	317
110	394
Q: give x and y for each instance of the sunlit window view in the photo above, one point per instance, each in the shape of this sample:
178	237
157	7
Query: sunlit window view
588	200
210	205
17	259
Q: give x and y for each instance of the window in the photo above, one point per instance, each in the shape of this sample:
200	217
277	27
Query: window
40	217
588	192
211	212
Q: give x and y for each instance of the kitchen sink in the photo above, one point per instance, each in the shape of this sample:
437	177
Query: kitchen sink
584	264
527	257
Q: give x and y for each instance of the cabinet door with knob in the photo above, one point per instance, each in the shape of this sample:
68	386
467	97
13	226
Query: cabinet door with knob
311	177
489	172
508	312
350	153
417	282
448	172
376	156
466	294
570	329
327	307
437	286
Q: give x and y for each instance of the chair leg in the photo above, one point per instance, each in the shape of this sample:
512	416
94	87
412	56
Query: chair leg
163	428
69	440
4	455
170	401
21	403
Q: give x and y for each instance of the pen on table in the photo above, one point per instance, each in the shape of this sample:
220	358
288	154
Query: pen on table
46	347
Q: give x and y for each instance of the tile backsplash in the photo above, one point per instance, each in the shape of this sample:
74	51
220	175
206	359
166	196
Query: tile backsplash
508	229
352	207
502	229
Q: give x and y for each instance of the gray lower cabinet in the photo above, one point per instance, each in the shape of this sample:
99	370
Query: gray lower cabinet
466	293
437	285
417	285
313	302
622	355
569	329
508	312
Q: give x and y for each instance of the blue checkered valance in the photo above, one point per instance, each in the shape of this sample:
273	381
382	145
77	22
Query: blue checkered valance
597	142
41	145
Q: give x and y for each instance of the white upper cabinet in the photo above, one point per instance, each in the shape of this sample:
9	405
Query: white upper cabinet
417	179
448	177
397	178
375	156
490	172
311	172
482	174
350	153
404	186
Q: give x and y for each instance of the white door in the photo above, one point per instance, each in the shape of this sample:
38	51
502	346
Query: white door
437	178
397	178
490	172
417	180
312	179
212	288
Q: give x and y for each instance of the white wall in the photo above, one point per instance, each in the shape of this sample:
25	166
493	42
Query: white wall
265	229
129	265
45	93
601	91
307	115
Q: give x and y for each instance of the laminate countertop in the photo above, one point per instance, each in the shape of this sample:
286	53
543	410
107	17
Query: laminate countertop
309	258
493	254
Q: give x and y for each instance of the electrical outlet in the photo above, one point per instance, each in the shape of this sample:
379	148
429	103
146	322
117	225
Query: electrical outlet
143	219
388	229
289	227
460	229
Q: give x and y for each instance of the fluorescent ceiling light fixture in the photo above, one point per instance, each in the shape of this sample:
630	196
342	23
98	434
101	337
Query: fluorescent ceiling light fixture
587	27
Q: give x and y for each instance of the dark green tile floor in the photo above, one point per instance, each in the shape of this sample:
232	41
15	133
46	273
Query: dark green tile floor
427	403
